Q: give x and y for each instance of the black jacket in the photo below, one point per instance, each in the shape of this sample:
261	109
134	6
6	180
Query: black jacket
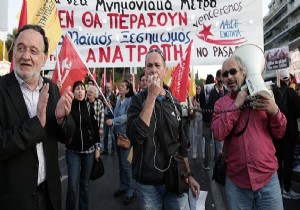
165	128
87	131
204	106
214	95
19	135
289	104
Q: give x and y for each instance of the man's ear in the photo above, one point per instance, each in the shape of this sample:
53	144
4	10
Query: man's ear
45	59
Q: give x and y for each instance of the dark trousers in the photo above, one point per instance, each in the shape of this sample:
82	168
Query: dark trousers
186	129
107	131
43	198
285	156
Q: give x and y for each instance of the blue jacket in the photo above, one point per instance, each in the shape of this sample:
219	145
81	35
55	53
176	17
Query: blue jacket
120	116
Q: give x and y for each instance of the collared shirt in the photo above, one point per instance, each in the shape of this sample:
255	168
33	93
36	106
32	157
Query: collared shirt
99	112
250	159
31	98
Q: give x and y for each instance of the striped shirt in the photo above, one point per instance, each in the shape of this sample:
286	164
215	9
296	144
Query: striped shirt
31	98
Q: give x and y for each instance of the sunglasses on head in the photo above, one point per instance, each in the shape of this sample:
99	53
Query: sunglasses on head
232	71
158	51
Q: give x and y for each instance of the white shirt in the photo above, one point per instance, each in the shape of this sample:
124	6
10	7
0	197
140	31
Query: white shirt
31	98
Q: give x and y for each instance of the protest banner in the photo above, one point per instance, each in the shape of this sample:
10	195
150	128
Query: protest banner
119	33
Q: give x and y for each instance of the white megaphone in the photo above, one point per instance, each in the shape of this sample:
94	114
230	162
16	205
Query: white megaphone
253	58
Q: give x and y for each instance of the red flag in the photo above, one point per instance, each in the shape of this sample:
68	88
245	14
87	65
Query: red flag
103	81
180	76
22	22
71	66
110	81
23	15
132	80
117	89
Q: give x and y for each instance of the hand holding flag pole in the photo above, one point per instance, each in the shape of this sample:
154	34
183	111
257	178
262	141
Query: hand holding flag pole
58	83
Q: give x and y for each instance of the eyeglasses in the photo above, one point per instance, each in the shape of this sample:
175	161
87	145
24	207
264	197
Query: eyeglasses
32	50
232	71
158	51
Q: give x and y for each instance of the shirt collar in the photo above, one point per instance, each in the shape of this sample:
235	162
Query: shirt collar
22	83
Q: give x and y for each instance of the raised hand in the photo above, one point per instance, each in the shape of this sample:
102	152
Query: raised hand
63	107
241	98
154	85
265	102
42	104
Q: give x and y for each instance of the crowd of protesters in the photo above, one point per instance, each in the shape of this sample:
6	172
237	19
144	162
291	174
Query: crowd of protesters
260	135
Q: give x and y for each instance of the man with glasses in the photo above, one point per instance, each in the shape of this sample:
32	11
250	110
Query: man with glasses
33	119
251	169
154	126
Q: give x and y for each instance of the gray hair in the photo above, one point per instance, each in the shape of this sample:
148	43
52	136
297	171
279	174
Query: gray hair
242	65
96	90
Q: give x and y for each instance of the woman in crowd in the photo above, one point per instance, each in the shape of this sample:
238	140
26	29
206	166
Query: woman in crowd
119	123
196	124
80	152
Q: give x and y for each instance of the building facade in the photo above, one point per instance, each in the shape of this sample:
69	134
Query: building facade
282	25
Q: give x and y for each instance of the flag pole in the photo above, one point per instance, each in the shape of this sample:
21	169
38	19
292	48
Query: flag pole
3	47
91	76
113	77
58	67
58	83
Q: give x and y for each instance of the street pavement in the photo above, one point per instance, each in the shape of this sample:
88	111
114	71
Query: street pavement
102	190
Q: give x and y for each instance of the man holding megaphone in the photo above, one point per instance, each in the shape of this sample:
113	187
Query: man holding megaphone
251	170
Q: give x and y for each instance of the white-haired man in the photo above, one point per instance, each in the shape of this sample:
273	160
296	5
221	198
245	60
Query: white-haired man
251	164
92	98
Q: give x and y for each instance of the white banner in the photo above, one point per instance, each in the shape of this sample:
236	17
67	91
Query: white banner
118	33
4	16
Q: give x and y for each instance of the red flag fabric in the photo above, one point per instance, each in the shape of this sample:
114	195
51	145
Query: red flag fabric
117	89
110	81
71	66
180	76
23	15
22	22
103	81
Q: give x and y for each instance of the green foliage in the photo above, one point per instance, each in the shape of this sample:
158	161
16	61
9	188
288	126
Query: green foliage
9	43
1	51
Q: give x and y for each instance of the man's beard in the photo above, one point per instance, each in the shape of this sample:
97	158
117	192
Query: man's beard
235	91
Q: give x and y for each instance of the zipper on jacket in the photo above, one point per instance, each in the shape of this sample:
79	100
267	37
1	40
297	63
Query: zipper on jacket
141	163
80	128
